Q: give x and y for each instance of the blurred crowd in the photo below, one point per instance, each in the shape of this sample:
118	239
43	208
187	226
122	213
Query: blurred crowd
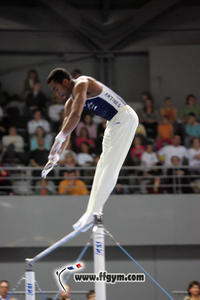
165	151
5	292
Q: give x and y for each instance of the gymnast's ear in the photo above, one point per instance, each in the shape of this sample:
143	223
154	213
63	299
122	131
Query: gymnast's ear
65	82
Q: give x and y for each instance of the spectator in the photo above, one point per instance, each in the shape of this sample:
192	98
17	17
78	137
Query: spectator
88	123
150	181
137	150
65	295
84	138
149	158
38	122
193	291
194	156
84	158
190	107
36	99
71	185
31	78
39	157
141	131
91	295
149	118
169	110
54	112
4	290
3	123
13	147
44	187
14	139
67	150
39	133
192	129
177	181
165	133
175	149
145	96
120	189
5	183
70	162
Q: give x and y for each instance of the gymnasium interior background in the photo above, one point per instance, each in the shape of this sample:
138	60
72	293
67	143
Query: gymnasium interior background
132	46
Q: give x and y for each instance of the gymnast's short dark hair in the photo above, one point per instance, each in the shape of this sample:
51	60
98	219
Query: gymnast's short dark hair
191	284
58	75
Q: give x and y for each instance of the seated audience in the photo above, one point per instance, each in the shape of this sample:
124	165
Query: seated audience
84	138
165	133
91	295
141	131
192	129
84	158
169	110
30	80
13	147
45	187
190	107
4	290
136	150
54	112
36	122
3	123
193	291
40	133
69	162
149	158
5	183
14	139
67	150
39	157
36	99
194	154
176	149
149	118
88	123
178	184
71	185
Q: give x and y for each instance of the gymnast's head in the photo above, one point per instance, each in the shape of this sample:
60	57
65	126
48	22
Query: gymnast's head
61	82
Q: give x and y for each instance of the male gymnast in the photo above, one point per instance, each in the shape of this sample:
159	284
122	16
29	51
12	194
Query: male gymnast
87	93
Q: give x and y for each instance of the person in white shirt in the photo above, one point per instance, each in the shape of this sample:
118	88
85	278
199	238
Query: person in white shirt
84	158
149	158
38	122
13	138
54	112
176	149
194	154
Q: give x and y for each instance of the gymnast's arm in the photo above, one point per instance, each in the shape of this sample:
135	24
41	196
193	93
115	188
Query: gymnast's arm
69	124
71	121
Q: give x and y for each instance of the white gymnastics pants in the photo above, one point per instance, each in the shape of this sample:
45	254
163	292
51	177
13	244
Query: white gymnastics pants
118	137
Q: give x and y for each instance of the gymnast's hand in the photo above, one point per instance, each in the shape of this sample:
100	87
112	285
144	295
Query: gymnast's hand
53	159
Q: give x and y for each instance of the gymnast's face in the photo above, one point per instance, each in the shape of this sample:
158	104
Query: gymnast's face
63	89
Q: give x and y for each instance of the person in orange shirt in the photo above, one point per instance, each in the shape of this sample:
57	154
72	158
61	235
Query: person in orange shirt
71	185
165	133
168	110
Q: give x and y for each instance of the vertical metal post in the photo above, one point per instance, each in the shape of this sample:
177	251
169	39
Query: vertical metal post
99	257
30	283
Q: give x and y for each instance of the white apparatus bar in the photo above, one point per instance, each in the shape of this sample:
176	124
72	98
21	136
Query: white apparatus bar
99	257
30	284
51	248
